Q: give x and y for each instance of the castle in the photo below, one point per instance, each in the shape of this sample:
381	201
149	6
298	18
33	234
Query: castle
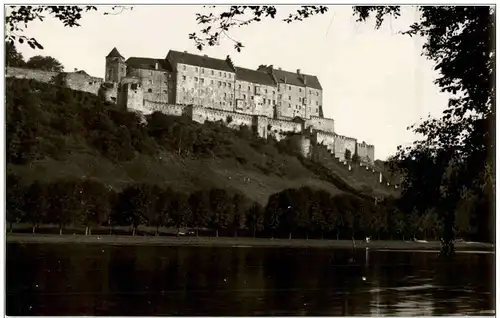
270	100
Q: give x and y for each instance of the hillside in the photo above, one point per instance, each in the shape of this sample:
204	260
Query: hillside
54	132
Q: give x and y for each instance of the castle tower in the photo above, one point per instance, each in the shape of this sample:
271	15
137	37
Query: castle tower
115	67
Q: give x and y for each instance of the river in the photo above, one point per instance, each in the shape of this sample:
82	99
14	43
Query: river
80	279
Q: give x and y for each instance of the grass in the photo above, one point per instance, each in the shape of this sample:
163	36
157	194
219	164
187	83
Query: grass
242	242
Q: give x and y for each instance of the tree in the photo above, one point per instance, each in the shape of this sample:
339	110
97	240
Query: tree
199	203
238	219
347	155
179	211
14	200
255	218
220	210
460	40
95	201
64	198
134	204
45	63
13	58
17	19
36	204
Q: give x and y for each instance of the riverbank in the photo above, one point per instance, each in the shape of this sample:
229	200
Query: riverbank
242	242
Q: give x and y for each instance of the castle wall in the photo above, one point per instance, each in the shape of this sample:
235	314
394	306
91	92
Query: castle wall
38	75
365	152
327	139
109	91
157	84
203	86
115	69
324	124
291	101
341	144
168	109
82	82
314	101
278	128
254	98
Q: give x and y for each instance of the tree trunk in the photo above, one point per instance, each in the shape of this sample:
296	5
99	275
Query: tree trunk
60	231
290	235
10	227
86	230
157	230
307	235
133	231
34	227
178	231
338	233
217	233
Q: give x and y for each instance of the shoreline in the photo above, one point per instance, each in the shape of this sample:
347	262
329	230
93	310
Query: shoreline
237	242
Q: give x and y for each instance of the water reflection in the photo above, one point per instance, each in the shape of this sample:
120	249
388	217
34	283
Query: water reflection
133	280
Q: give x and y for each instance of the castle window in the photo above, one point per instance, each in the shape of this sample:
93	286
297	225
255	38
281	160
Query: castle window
183	77
202	71
300	90
244	96
184	67
165	91
220	84
212	72
224	74
229	84
220	73
289	97
196	69
279	96
225	84
289	87
316	103
230	103
196	79
300	99
211	81
225	95
239	86
202	80
251	97
150	90
317	94
309	92
265	90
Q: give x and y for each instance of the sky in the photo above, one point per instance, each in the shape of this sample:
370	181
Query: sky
375	82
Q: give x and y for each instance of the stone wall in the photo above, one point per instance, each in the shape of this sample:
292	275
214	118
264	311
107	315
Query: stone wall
327	139
323	124
168	109
278	128
38	75
82	82
365	152
341	144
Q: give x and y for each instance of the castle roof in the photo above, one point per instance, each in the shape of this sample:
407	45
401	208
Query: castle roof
252	76
293	78
148	63
199	60
114	53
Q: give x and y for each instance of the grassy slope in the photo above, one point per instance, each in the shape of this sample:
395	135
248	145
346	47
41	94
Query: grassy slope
71	151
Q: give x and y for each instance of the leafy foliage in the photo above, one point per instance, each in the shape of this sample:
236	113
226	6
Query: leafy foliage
45	63
17	19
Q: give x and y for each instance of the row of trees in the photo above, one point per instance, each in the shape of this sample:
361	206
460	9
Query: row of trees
302	212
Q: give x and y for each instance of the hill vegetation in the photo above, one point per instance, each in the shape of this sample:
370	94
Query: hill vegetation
73	159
